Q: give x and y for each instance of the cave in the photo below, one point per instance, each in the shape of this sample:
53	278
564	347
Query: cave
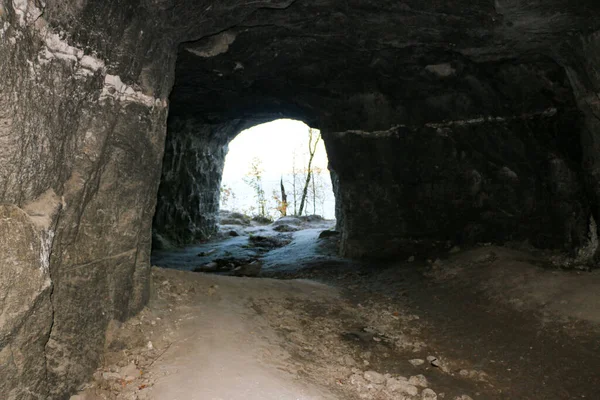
448	126
190	192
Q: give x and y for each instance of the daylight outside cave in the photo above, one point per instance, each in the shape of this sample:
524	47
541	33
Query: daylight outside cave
269	156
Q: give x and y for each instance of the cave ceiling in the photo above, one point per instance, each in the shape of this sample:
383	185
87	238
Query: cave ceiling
315	60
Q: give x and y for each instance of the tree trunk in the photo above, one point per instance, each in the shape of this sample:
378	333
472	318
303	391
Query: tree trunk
305	190
312	148
314	193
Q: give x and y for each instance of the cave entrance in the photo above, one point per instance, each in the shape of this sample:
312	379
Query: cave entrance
221	207
277	169
238	166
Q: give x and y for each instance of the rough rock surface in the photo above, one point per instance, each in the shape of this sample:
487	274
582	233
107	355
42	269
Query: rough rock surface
491	77
83	112
188	197
486	181
80	155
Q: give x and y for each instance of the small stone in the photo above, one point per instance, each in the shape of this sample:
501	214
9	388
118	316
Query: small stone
212	289
357	380
111	376
508	174
149	346
416	362
328	233
348	360
211	266
463	397
402	386
428	394
374	377
251	269
411	259
130	372
455	250
418	380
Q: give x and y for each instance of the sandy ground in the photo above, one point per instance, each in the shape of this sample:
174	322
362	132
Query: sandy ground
225	350
201	338
483	323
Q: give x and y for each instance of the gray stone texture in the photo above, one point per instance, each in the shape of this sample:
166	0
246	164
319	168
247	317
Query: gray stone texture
84	89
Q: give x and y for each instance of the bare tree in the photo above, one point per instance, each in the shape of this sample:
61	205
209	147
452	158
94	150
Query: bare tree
253	179
317	191
294	178
314	195
313	141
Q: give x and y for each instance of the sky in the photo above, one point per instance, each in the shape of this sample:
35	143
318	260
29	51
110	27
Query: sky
276	144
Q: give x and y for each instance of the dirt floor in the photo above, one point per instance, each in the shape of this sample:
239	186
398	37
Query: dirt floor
481	323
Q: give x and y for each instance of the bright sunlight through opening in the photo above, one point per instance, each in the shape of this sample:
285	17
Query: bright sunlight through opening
263	157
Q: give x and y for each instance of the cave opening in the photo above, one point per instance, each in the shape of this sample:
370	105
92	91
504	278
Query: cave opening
266	172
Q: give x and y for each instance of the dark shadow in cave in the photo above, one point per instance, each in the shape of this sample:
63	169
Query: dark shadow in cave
455	152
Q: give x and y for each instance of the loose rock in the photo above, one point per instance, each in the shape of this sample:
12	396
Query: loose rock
252	269
401	386
374	377
129	373
418	380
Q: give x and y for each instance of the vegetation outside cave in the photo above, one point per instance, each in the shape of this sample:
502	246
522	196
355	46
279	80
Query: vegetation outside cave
277	169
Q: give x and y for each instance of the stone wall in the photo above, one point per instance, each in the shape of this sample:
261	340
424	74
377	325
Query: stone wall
83	111
474	181
80	154
581	58
188	198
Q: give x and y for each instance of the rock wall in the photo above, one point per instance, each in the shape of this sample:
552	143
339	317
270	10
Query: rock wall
189	193
581	59
496	180
80	153
83	110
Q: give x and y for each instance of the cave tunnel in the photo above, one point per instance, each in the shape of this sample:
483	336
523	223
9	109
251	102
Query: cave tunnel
461	151
462	142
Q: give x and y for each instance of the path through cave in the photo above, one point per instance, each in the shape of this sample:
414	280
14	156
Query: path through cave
463	144
275	313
